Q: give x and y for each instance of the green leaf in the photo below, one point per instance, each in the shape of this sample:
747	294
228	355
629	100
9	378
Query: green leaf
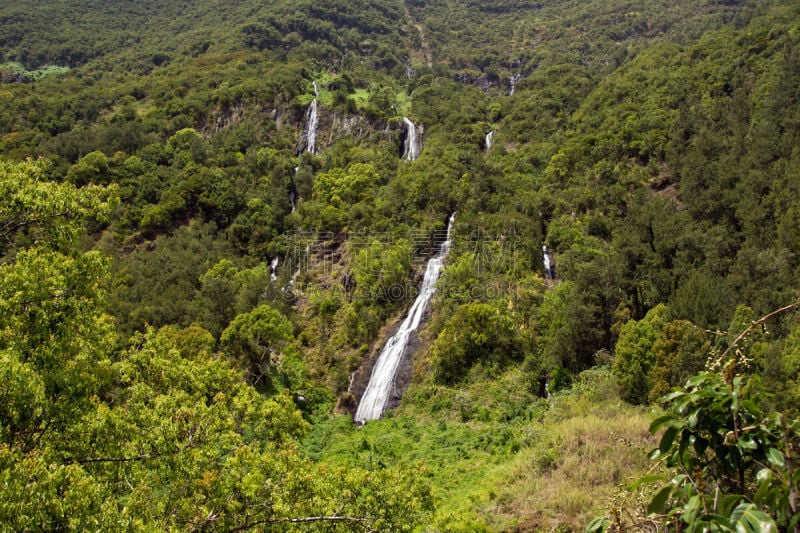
659	422
697	380
692	420
750	520
681	405
667	439
658	502
721	521
750	406
775	458
598	525
690	510
765	474
654	454
644	480
728	503
747	444
671	396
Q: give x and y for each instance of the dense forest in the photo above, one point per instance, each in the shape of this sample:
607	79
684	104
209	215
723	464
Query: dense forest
213	216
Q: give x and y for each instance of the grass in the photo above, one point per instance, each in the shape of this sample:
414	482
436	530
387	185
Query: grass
403	103
564	481
533	465
361	96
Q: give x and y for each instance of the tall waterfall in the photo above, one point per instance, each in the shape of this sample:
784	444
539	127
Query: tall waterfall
381	382
312	122
412	143
488	143
549	271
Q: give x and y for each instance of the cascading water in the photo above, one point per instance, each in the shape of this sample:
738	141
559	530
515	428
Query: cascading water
515	79
293	189
273	266
488	143
312	122
381	382
549	272
411	146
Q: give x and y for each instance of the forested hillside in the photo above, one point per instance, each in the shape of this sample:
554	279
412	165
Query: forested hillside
213	216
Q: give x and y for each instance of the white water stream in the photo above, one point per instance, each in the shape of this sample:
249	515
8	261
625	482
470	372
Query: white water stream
548	264
411	146
273	267
312	123
381	382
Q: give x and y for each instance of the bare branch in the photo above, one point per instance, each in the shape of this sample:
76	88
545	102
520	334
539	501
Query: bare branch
756	323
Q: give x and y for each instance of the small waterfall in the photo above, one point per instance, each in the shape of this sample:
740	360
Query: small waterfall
413	142
293	189
273	267
488	143
515	79
312	122
549	271
381	382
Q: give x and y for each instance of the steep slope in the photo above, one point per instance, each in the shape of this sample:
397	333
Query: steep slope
650	146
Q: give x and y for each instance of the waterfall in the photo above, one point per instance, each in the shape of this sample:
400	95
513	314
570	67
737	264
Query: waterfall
273	266
293	189
412	143
312	121
488	143
381	382
515	79
549	271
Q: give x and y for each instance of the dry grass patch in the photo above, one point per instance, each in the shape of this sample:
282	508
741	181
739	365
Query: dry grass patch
579	460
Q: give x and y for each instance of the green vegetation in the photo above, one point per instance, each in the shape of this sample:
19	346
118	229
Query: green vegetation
496	456
16	71
190	301
733	467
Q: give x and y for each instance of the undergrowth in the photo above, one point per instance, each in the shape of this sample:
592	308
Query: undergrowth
497	457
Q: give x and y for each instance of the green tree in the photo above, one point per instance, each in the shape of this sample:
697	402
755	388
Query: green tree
255	338
789	370
731	467
565	330
477	333
163	435
53	214
737	466
381	272
634	356
91	168
680	350
346	186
